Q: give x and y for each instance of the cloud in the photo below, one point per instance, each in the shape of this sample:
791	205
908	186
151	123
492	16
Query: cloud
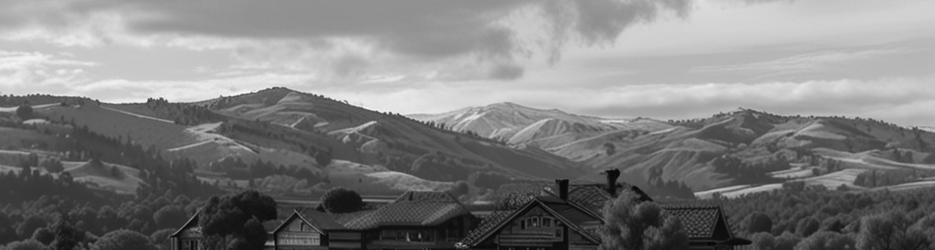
809	62
506	72
418	31
22	71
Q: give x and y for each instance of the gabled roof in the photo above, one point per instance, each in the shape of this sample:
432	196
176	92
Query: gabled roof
193	221
558	208
427	196
411	209
319	221
589	197
699	221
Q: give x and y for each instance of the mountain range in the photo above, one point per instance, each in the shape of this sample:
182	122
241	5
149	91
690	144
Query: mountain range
232	139
729	153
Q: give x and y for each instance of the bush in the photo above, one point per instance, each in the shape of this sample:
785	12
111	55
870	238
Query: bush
759	222
123	239
43	235
826	241
341	200
637	225
160	238
24	112
26	245
169	216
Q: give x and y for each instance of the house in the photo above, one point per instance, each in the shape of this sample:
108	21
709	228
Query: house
570	216
542	222
189	236
415	220
563	216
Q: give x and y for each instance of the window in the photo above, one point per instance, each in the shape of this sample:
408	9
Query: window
408	235
190	244
420	236
538	222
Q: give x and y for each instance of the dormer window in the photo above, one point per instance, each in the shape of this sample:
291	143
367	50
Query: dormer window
537	222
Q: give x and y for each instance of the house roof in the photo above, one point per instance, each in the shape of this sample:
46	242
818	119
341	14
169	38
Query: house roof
192	221
699	221
414	208
562	210
590	197
321	220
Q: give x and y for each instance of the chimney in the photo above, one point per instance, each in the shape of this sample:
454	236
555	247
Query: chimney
562	188
612	176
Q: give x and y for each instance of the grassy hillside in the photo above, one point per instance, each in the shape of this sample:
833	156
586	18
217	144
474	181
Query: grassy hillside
386	139
750	151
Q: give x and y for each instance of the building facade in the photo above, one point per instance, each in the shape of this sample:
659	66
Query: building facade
562	217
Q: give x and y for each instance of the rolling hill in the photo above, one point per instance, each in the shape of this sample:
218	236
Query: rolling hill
729	153
282	131
762	151
552	130
386	139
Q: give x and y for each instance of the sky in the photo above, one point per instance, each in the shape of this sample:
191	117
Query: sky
667	59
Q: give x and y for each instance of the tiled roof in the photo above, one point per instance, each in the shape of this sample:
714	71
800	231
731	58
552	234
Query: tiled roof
489	223
427	196
562	210
590	197
411	209
192	222
321	220
700	221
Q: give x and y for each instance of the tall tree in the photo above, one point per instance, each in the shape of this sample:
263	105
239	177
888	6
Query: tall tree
758	222
636	225
341	200
67	237
227	217
24	111
890	231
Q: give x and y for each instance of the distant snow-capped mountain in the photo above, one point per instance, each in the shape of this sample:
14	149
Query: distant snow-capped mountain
549	129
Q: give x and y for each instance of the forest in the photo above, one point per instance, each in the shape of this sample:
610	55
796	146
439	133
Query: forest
805	218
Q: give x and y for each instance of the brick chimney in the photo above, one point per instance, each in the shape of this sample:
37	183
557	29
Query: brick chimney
612	176
562	188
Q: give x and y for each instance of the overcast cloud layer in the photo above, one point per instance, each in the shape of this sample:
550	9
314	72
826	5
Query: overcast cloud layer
665	59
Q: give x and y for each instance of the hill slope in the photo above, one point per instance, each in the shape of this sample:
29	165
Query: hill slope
755	148
520	125
391	140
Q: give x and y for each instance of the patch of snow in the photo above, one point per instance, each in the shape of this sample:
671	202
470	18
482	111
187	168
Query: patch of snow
739	190
13	152
708	193
792	173
668	130
205	133
912	185
13	109
835	179
815	130
403	181
35	121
